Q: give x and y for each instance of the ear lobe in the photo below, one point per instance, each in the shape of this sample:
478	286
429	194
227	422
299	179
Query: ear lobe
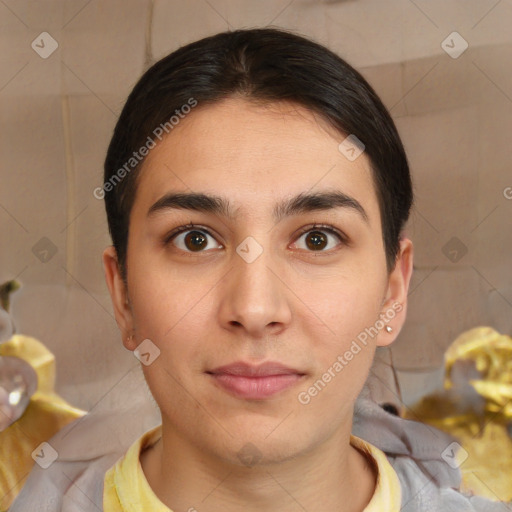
394	309
119	296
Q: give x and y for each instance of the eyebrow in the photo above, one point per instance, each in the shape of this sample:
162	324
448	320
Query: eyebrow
301	203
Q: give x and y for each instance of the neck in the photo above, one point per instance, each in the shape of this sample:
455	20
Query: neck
186	477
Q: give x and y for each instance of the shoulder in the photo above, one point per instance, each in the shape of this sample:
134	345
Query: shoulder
421	493
87	448
414	451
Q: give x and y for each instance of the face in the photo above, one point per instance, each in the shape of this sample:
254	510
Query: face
257	275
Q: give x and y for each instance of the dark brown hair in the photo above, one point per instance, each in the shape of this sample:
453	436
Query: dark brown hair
265	65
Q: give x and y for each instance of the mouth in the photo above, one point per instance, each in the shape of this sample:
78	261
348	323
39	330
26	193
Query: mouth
255	382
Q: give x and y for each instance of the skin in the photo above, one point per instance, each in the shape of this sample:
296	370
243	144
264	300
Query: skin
299	306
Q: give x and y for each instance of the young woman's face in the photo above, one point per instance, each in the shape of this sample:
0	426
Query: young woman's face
263	278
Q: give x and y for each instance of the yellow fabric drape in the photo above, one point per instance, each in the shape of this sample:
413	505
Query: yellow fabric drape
477	410
44	416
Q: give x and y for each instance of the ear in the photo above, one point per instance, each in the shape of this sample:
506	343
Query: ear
119	297
394	307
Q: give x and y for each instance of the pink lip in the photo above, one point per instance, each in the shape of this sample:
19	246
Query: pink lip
248	381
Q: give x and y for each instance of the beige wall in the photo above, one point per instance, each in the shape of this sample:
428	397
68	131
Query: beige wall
57	114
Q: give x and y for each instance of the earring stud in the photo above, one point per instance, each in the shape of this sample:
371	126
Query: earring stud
389	328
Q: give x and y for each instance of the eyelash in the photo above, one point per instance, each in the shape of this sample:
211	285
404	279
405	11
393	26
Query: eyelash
315	227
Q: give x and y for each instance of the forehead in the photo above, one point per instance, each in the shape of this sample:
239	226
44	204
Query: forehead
254	154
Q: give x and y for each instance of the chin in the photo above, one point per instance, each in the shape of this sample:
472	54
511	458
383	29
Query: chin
265	446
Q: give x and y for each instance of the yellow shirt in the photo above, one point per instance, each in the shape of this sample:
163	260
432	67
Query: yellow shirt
127	490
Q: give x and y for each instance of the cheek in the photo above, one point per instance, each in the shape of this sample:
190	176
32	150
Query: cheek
342	308
174	323
341	319
342	347
165	302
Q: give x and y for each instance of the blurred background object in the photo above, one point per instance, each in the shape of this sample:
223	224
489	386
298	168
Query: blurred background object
30	410
476	407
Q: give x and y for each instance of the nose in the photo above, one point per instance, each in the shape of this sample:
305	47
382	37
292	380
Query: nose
255	297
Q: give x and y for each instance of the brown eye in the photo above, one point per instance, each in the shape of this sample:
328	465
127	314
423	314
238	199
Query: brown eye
195	241
192	240
320	240
316	240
